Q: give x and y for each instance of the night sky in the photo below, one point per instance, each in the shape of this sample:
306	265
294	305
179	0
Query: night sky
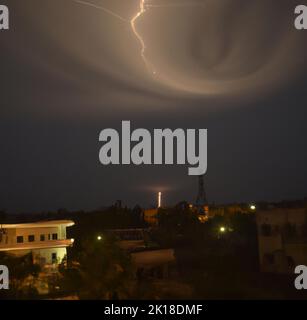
69	70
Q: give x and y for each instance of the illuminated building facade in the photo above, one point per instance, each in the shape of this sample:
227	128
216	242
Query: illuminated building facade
46	240
151	216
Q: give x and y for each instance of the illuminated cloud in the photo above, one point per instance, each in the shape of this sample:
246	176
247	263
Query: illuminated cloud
149	53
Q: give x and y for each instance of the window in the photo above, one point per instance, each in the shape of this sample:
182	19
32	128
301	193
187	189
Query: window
266	230
42	237
49	236
19	239
54	236
54	257
31	238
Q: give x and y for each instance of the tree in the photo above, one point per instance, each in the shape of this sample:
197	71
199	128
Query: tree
100	270
22	273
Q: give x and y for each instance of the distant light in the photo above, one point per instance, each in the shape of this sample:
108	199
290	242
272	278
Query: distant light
99	238
253	207
159	199
222	229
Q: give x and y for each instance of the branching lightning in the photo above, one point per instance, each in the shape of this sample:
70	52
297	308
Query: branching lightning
139	37
177	5
143	6
115	15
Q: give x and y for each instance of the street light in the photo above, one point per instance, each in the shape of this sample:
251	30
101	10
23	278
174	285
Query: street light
222	229
99	238
252	207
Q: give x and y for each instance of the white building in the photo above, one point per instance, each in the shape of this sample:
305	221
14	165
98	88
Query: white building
46	240
282	239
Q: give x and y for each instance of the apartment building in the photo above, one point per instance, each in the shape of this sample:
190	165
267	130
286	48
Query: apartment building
282	239
46	240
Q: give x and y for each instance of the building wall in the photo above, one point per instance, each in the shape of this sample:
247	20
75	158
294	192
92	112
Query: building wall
49	256
43	256
47	250
37	232
282	239
10	238
150	216
154	263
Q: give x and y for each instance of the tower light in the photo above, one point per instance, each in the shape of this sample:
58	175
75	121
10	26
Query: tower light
159	199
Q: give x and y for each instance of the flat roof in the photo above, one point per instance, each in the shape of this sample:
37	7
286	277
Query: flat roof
38	224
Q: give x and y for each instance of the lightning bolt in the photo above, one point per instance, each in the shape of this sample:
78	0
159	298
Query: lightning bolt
139	37
133	22
143	6
177	5
112	13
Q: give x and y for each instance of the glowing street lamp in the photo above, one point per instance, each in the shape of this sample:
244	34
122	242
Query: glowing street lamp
99	238
252	207
222	229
